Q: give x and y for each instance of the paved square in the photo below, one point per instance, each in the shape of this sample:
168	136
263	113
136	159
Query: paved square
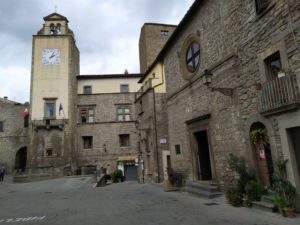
74	201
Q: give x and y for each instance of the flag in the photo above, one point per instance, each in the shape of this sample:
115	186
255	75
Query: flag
26	113
60	108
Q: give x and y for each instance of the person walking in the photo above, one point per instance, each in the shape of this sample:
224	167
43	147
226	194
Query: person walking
2	173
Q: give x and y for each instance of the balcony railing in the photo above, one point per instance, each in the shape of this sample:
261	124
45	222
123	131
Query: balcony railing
143	89
278	93
49	123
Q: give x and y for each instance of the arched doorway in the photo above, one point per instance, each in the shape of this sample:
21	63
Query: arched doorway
21	159
262	153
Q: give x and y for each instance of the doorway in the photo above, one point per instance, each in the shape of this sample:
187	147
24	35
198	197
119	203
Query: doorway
203	156
295	134
130	172
21	159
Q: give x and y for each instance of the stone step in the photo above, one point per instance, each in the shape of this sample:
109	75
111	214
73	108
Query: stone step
265	206
266	198
203	187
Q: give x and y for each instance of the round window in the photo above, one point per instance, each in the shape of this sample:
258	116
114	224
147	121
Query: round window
193	57
189	58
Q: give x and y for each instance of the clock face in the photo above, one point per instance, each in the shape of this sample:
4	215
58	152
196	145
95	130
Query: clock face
51	56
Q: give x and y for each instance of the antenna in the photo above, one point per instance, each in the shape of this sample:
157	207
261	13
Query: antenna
55	8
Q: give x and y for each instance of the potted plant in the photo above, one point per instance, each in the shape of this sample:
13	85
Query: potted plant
283	188
278	202
228	196
117	176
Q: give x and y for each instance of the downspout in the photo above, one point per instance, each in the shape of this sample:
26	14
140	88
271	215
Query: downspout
155	126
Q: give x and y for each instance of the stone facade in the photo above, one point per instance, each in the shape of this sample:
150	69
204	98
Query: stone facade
153	135
152	38
13	134
106	131
236	49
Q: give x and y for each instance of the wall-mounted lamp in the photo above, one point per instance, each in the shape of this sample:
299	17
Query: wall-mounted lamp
207	79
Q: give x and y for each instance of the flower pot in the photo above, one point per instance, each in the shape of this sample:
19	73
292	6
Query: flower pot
289	212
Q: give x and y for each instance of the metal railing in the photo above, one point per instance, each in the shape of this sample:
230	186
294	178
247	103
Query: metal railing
278	92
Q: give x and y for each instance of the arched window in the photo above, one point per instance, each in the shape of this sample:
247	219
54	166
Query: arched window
52	28
58	31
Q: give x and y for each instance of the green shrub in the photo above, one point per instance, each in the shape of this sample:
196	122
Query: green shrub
236	197
254	190
117	176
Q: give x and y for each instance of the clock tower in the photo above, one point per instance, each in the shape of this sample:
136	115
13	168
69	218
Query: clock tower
55	65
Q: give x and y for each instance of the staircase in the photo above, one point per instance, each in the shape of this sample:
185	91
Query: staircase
265	204
202	189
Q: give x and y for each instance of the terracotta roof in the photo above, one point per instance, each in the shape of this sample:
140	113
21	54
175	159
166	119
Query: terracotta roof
190	13
109	76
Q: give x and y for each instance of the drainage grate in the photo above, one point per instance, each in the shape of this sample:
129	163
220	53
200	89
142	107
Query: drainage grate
211	203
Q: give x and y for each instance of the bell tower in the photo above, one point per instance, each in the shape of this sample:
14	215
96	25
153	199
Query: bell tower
55	64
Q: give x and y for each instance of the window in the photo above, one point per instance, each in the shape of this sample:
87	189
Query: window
193	57
49	152
273	66
124	88
87	90
164	33
177	149
189	56
87	142
87	115
261	5
123	113
124	140
1	126
49	109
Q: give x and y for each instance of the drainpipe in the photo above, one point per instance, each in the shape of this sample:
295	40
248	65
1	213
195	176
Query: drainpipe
155	126
156	138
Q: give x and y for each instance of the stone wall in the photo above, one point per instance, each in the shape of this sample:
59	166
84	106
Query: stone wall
231	37
153	134
151	42
105	130
14	135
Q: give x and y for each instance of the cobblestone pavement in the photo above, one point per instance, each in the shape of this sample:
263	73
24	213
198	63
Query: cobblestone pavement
74	201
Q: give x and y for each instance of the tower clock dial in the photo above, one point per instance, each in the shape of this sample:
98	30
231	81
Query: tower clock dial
51	56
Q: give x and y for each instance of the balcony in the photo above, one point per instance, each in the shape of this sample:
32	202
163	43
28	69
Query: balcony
49	123
279	95
143	89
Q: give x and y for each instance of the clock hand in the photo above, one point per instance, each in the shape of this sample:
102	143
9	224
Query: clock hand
53	54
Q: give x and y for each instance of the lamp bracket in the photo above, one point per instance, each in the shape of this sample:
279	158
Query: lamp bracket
224	91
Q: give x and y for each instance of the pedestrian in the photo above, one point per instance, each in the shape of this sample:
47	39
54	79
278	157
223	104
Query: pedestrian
2	173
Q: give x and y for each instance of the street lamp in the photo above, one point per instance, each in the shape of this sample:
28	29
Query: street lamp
207	80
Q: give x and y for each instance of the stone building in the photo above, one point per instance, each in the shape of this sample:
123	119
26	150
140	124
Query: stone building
150	103
106	123
13	134
78	123
249	50
55	64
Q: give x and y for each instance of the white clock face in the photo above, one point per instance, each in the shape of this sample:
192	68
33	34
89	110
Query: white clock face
51	56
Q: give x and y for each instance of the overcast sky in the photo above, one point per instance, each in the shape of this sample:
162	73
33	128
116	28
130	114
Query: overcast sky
106	32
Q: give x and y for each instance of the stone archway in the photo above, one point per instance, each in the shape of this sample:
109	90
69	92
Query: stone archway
261	154
21	159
